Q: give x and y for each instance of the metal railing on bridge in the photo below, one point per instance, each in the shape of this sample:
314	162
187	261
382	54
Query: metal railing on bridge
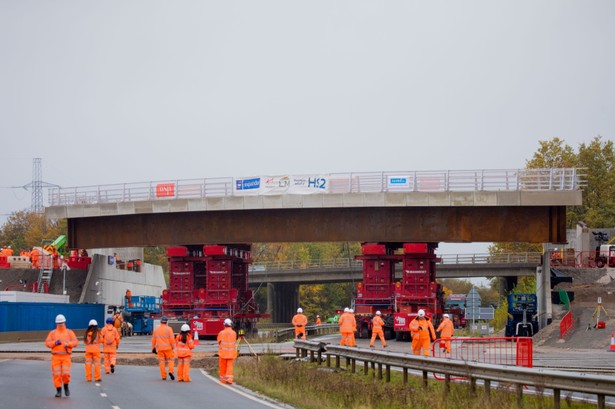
559	179
351	263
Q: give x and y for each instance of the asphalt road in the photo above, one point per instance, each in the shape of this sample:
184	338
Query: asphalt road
27	384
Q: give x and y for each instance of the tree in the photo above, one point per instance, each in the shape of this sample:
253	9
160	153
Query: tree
25	229
598	161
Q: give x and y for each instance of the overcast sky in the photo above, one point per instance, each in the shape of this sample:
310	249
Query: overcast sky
129	91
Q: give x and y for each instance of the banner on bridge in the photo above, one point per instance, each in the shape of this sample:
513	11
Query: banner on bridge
279	185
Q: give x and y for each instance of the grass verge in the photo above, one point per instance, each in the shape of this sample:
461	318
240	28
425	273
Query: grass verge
309	386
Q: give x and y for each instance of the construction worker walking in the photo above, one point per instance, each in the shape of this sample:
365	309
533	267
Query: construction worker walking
422	333
61	341
348	326
377	324
185	345
300	321
318	321
163	344
353	320
227	352
446	329
92	340
118	320
111	341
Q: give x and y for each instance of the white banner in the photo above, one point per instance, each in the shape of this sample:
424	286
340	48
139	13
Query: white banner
279	185
398	183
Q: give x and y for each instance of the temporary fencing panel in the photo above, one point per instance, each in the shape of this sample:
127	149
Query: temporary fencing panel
509	351
566	324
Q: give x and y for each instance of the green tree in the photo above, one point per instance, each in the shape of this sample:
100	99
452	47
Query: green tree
597	159
25	229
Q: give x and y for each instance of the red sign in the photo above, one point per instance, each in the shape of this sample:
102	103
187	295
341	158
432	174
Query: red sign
165	190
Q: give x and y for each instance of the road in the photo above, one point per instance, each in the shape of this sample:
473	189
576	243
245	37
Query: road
27	384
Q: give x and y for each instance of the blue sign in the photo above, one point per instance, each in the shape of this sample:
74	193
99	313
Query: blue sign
247	184
398	181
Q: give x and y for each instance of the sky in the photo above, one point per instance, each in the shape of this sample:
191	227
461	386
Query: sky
130	91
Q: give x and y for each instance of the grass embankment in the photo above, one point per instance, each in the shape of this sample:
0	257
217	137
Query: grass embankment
309	386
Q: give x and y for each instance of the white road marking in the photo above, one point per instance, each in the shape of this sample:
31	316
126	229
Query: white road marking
229	387
104	395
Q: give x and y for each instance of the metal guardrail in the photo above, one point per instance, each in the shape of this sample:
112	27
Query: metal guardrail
558	381
507	258
556	179
289	333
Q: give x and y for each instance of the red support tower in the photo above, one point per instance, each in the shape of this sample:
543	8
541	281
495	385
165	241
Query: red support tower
398	301
208	284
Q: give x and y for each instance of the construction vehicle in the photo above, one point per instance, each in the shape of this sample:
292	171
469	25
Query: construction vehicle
140	312
455	306
208	283
522	313
398	301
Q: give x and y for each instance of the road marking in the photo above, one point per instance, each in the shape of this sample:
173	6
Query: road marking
234	389
115	407
104	395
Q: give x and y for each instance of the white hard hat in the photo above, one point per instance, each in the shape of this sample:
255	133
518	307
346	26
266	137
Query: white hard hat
317	316
378	313
445	316
299	310
228	322
350	310
60	319
421	313
92	323
346	309
185	328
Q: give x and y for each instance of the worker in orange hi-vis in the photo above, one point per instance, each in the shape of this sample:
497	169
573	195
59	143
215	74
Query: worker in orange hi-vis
163	344
346	329
9	251
227	352
111	341
377	324
300	321
422	333
128	298
185	345
318	321
61	341
92	340
34	257
353	320
446	329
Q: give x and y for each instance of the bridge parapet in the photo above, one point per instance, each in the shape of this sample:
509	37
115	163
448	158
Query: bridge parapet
507	180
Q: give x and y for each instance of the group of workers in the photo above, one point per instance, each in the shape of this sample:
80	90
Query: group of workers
165	344
421	330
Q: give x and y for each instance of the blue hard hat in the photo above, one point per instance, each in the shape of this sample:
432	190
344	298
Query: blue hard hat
109	321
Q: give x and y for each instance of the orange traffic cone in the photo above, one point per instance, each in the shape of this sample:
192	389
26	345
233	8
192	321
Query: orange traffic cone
612	348
196	338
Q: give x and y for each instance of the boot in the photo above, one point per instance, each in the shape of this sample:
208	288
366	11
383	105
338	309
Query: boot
112	368
58	392
171	376
66	391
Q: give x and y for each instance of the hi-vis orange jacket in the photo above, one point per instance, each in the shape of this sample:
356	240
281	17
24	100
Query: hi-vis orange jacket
184	349
423	328
447	328
68	340
227	339
93	341
162	338
377	323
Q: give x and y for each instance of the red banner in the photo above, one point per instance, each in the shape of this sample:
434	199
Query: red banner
165	190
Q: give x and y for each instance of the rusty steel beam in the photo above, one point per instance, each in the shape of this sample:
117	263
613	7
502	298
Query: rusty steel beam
536	224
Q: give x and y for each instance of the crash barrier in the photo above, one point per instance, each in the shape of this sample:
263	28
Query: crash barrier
558	381
509	351
566	324
322	329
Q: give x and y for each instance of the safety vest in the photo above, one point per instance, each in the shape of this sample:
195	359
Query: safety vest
67	338
163	339
299	320
111	338
422	328
377	323
184	348
92	341
447	328
347	322
227	339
